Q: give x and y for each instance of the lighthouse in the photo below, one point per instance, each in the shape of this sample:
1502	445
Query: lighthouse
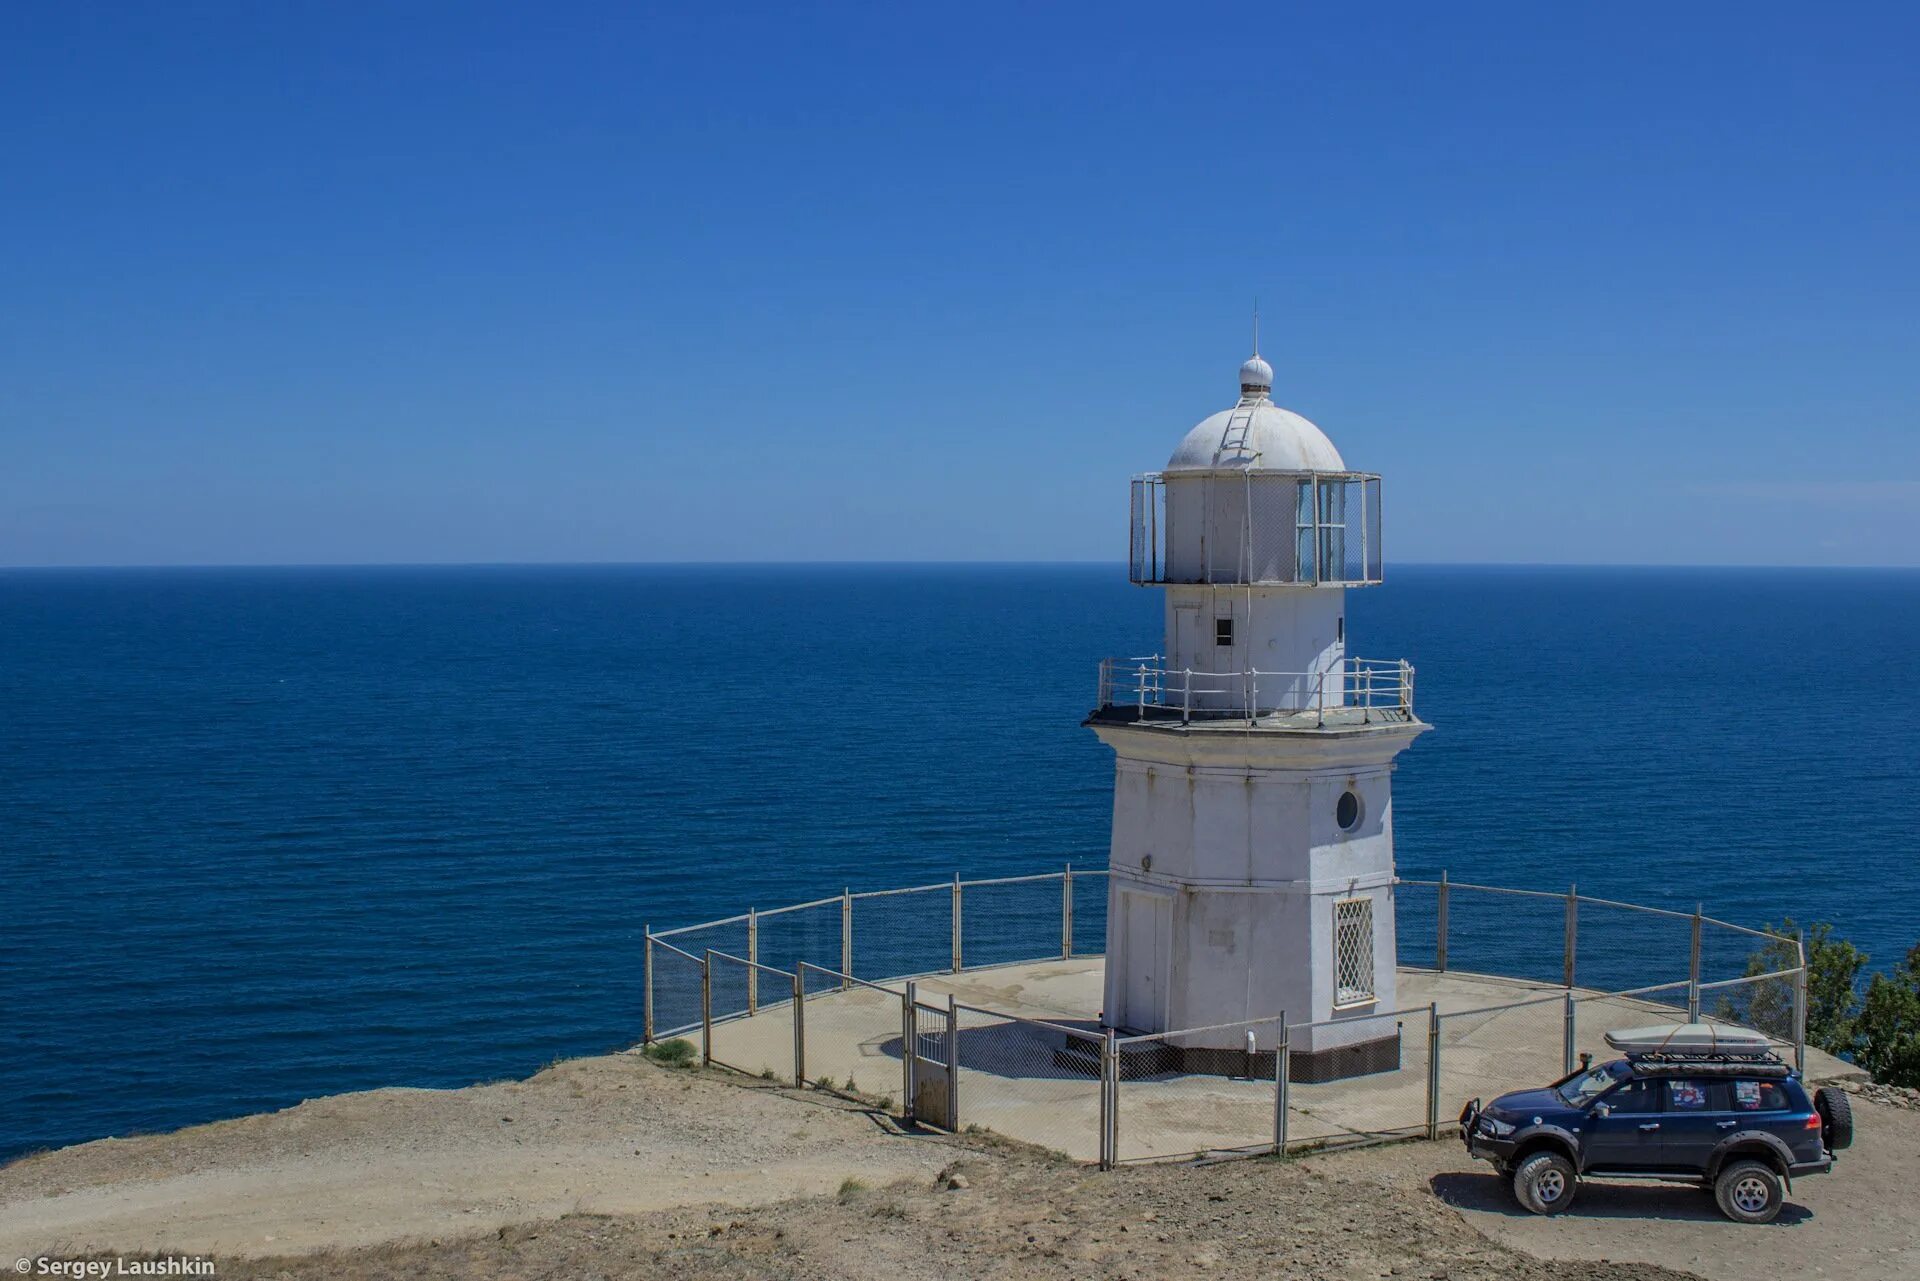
1251	871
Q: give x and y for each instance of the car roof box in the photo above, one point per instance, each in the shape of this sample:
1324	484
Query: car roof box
1688	1038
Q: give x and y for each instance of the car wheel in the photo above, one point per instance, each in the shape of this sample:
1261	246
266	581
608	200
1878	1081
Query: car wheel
1749	1192
1836	1118
1544	1183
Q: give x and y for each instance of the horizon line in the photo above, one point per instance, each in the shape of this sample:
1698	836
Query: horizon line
878	563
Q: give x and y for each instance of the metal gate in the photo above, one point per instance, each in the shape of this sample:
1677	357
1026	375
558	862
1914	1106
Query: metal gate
931	1062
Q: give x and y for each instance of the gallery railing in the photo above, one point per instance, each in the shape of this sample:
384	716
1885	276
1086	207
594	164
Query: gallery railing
1149	690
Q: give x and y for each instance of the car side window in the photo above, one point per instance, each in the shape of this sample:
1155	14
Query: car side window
1685	1096
1759	1096
1634	1098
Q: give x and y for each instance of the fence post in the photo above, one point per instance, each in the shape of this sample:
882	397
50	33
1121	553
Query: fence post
1109	1101
706	1010
909	1044
1282	1063
1693	968
953	1063
1433	1070
956	922
1440	948
799	1026
1800	1009
1567	1037
646	1035
1066	914
846	940
753	960
1573	930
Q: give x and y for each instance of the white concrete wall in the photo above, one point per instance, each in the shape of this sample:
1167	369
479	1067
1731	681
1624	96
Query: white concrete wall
1252	858
1275	629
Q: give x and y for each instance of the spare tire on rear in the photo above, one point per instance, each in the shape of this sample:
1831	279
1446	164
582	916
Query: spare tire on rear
1836	1117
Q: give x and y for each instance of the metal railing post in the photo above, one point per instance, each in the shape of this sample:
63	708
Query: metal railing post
1566	1056
953	1063
1693	967
846	940
706	1010
1186	709
799	1026
1440	947
909	1040
646	1036
956	922
1573	931
1433	1070
1800	1009
1109	1100
1282	1064
1066	914
753	959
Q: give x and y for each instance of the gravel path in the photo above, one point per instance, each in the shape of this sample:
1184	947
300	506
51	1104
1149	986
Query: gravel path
616	1167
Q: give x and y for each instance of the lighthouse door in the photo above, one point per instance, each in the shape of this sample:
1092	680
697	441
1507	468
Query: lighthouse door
1149	922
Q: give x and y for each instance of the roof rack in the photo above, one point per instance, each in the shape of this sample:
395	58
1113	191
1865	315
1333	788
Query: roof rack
1710	1063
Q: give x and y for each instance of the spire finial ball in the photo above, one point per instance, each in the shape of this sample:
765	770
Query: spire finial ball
1256	377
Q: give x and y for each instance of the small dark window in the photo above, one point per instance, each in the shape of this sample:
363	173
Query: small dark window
1340	629
1347	811
1635	1098
1223	631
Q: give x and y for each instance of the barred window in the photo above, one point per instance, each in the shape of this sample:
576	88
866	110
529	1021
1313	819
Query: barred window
1352	951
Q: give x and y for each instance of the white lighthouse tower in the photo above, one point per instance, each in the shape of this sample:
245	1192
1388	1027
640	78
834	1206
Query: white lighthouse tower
1251	871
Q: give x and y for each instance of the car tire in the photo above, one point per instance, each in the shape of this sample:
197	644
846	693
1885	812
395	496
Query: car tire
1749	1192
1544	1183
1836	1118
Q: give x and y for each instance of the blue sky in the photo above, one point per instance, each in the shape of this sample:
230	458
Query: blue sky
329	283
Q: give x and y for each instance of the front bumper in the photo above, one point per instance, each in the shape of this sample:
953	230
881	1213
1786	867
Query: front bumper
1481	1145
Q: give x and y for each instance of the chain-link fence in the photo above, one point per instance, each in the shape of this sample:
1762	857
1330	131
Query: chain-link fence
1180	1094
754	1034
1002	1027
1088	902
851	1033
1013	919
1358	1079
1033	1079
1487	1051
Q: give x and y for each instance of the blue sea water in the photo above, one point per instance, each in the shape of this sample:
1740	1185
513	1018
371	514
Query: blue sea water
270	834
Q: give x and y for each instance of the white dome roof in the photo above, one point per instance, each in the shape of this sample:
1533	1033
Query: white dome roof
1256	433
1275	439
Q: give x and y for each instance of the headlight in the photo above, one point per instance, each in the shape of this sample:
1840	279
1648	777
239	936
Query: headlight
1494	1128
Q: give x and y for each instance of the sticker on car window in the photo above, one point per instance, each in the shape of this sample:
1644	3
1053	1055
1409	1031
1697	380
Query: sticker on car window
1687	1096
1746	1095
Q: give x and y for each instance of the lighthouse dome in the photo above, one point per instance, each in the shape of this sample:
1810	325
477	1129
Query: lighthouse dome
1260	434
1256	433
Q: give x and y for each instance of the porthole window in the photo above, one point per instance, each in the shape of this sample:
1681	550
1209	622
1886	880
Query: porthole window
1347	811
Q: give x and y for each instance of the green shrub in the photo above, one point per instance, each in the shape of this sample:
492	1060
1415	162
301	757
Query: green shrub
679	1052
1889	1024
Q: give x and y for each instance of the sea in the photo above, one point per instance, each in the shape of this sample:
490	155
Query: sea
269	834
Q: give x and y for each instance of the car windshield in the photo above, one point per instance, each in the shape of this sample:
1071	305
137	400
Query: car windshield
1589	1085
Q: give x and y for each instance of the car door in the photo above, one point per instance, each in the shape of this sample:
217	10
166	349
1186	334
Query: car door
1695	1116
1628	1136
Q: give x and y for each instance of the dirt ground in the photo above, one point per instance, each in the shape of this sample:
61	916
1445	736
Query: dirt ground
615	1167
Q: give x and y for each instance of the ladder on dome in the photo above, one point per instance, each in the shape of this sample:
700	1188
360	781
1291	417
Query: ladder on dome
1239	426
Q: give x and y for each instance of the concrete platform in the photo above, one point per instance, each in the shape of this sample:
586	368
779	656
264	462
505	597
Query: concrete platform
1012	1079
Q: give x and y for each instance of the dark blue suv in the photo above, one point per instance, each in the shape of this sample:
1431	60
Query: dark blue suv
1734	1120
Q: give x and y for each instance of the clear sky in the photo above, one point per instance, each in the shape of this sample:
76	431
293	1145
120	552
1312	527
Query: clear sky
336	283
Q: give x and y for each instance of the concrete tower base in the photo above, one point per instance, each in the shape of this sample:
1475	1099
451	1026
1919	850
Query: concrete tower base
1250	877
